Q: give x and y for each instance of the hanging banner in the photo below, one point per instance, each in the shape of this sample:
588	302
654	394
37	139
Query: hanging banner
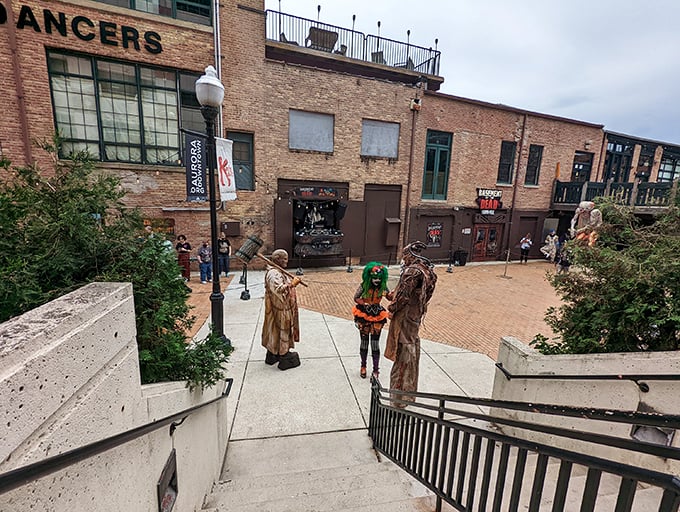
194	158
225	169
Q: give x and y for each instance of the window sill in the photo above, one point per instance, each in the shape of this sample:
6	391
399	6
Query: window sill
531	186
507	185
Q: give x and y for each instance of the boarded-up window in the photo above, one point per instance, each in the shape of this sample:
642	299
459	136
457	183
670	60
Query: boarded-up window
379	139
310	131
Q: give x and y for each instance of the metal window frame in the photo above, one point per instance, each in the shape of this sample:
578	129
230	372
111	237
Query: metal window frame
438	148
534	167
102	145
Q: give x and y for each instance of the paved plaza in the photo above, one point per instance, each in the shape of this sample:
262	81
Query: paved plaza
472	308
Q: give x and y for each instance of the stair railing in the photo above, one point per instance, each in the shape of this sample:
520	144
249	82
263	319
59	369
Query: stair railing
21	476
460	453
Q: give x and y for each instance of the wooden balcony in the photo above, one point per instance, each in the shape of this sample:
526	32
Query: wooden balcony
643	197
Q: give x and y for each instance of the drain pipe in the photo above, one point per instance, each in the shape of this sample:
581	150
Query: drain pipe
21	94
415	107
514	187
218	55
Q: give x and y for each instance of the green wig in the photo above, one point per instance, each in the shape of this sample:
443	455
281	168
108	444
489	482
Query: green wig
373	270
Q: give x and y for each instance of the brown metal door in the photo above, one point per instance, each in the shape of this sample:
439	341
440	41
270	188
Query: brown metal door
487	240
382	203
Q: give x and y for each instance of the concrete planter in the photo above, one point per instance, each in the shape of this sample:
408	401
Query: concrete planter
661	396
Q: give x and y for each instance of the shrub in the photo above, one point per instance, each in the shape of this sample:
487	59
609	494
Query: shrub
623	293
70	228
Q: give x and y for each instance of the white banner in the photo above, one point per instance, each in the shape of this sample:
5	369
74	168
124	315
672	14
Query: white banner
225	169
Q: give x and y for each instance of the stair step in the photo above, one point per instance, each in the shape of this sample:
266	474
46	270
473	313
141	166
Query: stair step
258	482
320	502
310	484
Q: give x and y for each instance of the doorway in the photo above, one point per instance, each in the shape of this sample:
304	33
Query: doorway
487	239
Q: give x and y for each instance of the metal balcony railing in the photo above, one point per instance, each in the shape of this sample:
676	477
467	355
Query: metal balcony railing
452	449
630	194
327	38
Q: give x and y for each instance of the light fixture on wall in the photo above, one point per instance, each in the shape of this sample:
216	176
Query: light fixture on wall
587	144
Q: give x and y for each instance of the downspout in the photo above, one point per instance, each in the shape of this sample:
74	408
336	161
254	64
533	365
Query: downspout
21	95
514	187
218	56
414	111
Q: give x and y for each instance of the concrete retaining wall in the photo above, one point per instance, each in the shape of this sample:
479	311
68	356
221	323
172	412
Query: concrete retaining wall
69	376
661	398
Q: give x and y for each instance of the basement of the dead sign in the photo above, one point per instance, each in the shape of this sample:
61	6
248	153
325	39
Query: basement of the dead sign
85	29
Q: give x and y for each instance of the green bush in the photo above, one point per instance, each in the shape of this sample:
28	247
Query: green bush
69	228
623	293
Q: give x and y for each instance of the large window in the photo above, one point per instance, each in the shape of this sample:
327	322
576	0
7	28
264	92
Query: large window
669	170
197	11
618	159
310	131
242	155
534	164
379	139
506	162
437	160
583	164
121	112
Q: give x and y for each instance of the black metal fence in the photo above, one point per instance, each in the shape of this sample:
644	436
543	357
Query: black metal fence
350	43
459	454
631	194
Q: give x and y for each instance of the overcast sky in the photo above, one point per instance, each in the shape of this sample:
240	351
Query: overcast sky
611	62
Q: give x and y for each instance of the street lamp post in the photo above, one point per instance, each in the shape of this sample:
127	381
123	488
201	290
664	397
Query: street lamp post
210	93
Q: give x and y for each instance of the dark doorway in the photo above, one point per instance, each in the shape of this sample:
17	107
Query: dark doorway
383	223
487	240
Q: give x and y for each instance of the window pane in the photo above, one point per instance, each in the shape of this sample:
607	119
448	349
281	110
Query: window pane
115	71
506	162
310	131
379	139
533	165
242	154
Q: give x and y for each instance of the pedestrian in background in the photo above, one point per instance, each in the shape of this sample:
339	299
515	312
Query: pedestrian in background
524	246
183	249
409	305
224	252
205	262
551	246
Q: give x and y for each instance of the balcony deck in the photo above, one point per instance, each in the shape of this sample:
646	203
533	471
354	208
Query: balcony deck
305	41
643	197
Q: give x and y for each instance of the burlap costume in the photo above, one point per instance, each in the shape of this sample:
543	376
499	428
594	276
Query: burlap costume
281	328
411	296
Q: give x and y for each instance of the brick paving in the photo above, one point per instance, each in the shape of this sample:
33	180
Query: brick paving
472	307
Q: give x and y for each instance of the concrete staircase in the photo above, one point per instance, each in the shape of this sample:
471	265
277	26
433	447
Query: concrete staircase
340	472
343	474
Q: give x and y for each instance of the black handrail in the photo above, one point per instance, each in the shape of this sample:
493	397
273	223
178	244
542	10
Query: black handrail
637	378
446	456
20	476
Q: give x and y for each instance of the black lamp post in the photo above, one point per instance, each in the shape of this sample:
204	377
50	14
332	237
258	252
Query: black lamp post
210	93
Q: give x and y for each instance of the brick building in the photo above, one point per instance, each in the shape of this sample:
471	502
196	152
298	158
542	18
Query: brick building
342	143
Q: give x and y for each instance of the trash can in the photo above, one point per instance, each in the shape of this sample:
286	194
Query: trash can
460	258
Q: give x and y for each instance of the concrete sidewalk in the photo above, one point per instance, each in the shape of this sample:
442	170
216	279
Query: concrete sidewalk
325	393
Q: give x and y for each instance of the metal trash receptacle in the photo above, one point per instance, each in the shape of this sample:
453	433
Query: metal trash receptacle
460	258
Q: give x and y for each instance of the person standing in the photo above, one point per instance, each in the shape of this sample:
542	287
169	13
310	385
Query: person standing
409	305
524	245
224	252
183	249
551	246
205	262
369	315
281	327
